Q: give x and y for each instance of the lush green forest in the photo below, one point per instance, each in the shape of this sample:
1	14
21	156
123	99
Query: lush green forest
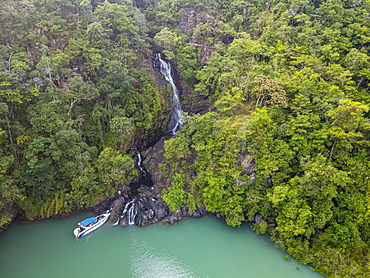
288	84
75	94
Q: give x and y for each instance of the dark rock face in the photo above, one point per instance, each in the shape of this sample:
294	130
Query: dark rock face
103	206
154	156
144	205
147	208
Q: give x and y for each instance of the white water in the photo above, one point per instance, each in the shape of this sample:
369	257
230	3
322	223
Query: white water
139	164
175	121
130	212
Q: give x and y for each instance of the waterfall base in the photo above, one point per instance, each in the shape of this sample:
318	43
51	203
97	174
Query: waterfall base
147	208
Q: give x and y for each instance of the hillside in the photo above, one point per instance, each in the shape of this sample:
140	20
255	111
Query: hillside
276	127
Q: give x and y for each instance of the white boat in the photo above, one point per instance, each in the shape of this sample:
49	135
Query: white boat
90	224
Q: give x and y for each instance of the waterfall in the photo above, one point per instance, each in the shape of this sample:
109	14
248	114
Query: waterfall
175	120
125	209
130	212
143	172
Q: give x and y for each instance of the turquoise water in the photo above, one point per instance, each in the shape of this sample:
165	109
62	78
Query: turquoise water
204	247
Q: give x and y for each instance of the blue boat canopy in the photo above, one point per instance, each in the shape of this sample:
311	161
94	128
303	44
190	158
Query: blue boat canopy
89	221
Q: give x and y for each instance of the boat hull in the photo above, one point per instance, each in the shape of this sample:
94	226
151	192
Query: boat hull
78	233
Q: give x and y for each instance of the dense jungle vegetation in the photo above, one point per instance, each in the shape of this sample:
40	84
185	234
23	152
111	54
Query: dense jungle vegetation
288	83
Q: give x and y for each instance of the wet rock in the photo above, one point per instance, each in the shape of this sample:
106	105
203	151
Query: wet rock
161	210
154	158
179	215
116	207
147	208
199	213
144	209
104	205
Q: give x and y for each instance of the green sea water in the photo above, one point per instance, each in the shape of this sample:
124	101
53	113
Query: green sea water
204	247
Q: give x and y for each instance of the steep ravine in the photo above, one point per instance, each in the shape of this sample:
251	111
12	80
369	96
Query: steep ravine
142	204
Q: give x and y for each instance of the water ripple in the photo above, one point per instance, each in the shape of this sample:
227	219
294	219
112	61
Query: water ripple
147	263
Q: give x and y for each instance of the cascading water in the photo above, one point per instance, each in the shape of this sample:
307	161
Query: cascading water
143	172
175	120
132	211
129	212
134	205
144	178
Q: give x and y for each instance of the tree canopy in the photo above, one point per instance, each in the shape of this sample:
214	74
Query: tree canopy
285	138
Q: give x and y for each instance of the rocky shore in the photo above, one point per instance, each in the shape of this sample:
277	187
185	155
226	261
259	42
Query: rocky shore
144	205
147	208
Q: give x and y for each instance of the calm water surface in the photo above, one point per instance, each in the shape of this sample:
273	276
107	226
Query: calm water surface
204	247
